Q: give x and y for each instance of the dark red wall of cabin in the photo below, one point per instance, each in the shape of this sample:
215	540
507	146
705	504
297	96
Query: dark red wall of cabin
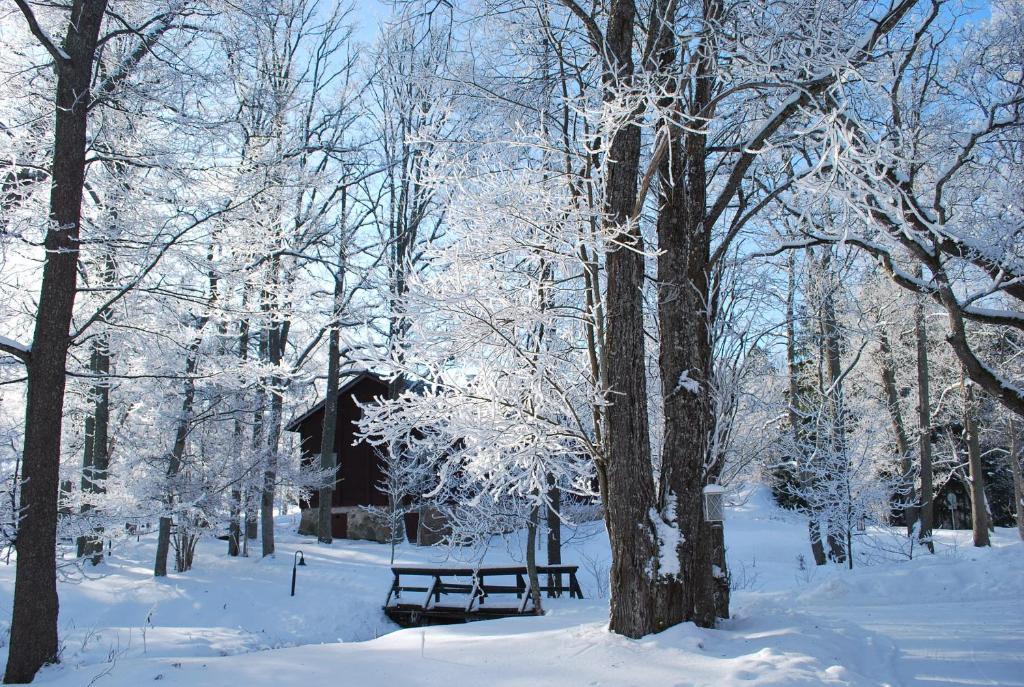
359	470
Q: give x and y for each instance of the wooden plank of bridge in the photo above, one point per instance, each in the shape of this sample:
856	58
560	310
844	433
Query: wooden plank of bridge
478	590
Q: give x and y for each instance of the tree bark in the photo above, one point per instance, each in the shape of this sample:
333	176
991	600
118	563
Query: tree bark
272	347
531	559
328	461
163	540
554	543
630	498
804	475
84	543
33	637
924	428
908	505
835	402
251	493
328	455
94	475
686	314
979	506
100	367
234	524
270	472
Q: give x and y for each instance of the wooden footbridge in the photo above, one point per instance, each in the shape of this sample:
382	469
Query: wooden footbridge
429	596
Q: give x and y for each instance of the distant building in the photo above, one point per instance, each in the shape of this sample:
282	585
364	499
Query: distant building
359	468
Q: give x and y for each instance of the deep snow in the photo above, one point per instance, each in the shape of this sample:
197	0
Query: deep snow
956	618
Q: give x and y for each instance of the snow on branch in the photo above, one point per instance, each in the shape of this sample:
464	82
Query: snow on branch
52	47
18	350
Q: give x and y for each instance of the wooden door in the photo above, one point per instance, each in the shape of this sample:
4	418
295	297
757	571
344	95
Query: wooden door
339	525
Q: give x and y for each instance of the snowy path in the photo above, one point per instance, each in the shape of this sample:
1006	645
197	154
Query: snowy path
949	620
950	643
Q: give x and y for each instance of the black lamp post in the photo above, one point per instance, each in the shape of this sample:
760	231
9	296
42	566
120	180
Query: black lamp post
297	560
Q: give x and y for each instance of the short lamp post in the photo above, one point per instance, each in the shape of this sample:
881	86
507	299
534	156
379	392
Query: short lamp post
714	504
297	560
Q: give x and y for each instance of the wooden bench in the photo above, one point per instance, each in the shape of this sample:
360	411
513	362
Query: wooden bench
475	585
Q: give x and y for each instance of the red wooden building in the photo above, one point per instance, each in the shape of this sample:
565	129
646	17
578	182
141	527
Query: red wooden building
359	468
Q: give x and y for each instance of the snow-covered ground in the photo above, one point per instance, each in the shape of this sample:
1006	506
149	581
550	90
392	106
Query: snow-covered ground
956	618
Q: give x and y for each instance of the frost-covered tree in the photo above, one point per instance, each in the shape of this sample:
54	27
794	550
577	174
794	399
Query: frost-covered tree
86	80
496	336
927	156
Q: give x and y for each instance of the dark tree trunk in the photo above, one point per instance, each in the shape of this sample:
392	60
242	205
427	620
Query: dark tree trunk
163	546
531	559
97	459
33	637
686	313
163	541
275	337
267	496
101	436
814	533
630	484
97	471
251	522
906	499
979	504
234	523
686	376
84	542
835	404
235	496
813	527
328	456
554	543
252	494
924	429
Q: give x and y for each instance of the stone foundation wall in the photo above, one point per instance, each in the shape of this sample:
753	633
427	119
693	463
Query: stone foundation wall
361	524
433	527
368	526
365	525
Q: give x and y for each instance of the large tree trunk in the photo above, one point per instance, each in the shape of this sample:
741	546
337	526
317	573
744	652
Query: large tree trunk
97	463
686	313
835	404
907	503
979	505
163	540
251	495
237	495
686	376
328	460
33	637
924	428
96	481
804	474
85	542
531	559
270	471
328	456
630	484
234	523
554	543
